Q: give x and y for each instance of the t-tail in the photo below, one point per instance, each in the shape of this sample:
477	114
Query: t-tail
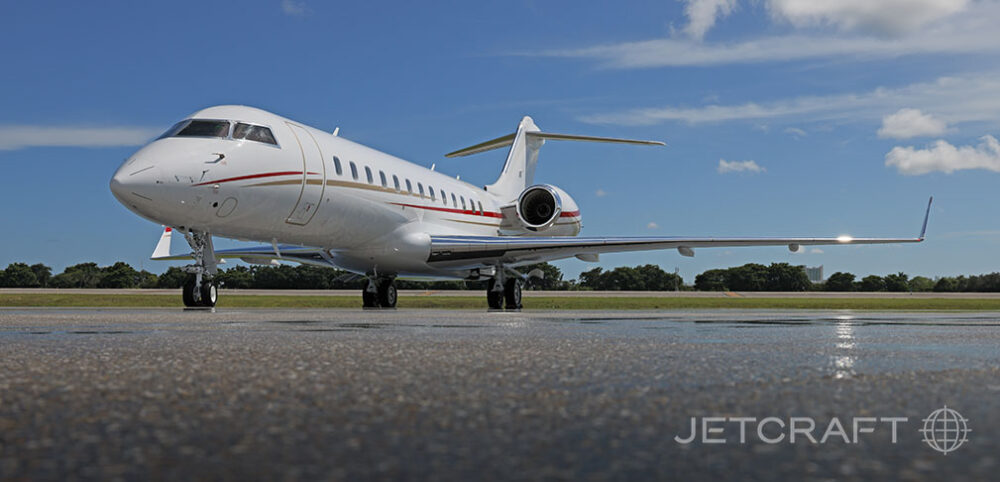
519	170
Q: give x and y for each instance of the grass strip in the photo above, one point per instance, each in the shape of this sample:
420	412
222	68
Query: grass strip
75	300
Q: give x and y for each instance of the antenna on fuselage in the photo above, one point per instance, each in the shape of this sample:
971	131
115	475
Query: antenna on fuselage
336	130
433	165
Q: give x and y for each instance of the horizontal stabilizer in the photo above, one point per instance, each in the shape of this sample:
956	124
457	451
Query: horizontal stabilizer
509	139
571	137
484	146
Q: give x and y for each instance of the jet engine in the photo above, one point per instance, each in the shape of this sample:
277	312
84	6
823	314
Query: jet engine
543	208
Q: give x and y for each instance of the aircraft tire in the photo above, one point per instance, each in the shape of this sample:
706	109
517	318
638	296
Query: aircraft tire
187	292
387	294
368	299
209	294
512	294
494	298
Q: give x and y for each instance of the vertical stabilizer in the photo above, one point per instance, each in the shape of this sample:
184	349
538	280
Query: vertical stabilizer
519	170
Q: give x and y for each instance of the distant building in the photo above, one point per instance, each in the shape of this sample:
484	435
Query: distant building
815	274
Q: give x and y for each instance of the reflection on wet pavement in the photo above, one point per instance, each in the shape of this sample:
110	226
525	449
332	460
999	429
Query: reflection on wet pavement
453	395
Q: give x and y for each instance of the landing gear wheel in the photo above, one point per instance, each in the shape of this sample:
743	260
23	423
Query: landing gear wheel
188	292
209	294
369	299
494	298
196	296
387	294
512	294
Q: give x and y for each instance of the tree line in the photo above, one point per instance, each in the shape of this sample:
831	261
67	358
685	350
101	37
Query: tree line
649	277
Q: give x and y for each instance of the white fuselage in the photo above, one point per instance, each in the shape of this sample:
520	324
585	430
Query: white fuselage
371	211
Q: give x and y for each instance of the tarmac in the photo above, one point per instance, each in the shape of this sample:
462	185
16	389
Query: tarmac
529	293
237	394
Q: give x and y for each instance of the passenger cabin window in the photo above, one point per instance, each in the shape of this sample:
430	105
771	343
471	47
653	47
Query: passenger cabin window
354	171
381	176
409	187
420	187
453	201
480	203
395	182
463	202
254	133
431	190
204	128
336	165
368	173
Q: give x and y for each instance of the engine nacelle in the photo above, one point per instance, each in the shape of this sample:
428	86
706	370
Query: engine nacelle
542	208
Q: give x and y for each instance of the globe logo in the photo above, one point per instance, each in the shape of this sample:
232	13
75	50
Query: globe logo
945	430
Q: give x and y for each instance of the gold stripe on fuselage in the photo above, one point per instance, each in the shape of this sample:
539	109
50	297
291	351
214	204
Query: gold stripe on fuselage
369	187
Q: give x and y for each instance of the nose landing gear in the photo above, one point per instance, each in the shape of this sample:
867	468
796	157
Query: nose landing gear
200	295
200	289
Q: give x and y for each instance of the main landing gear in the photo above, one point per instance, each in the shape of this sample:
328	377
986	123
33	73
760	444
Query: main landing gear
503	292
379	293
200	289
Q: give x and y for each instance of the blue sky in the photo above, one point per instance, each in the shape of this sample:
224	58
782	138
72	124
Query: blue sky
783	117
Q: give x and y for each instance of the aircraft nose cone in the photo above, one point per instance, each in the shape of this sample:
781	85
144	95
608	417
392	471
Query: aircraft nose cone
134	182
118	185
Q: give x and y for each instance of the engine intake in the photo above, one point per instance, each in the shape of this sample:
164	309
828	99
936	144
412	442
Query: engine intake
539	207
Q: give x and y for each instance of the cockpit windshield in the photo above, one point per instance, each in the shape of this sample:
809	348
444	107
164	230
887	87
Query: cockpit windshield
221	129
205	128
253	133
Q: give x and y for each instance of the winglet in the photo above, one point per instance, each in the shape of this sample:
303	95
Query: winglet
923	229
163	247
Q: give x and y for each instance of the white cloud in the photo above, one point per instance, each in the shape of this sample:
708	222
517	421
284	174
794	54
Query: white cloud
652	225
971	31
887	17
702	15
726	167
816	251
907	123
19	137
601	193
293	8
944	157
953	100
795	132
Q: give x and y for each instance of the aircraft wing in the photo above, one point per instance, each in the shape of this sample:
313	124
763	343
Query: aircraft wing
469	251
266	255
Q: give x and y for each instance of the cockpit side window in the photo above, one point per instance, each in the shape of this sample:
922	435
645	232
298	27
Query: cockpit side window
254	133
174	129
204	128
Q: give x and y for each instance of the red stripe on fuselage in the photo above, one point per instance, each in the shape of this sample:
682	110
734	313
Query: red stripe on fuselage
474	213
453	211
256	176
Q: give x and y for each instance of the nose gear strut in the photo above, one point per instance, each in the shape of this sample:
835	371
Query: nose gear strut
200	288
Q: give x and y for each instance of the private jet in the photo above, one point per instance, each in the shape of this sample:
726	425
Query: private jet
316	198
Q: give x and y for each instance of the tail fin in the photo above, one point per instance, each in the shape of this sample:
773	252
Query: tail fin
519	169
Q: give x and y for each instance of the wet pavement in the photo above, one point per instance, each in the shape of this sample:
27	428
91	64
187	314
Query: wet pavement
452	395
